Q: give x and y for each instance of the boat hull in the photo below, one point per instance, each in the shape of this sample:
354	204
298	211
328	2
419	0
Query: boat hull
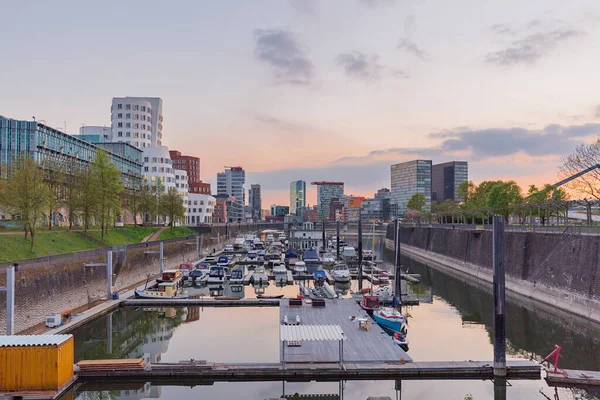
341	279
139	294
393	324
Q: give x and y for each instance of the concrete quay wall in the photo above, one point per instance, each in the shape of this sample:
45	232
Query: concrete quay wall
58	283
560	270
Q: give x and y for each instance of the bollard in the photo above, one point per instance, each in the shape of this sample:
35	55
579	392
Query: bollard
161	257
397	263
109	274
10	300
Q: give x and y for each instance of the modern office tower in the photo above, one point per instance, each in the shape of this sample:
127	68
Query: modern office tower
255	202
297	196
325	192
445	179
408	179
231	182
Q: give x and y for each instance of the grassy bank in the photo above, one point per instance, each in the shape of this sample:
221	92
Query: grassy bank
59	241
15	247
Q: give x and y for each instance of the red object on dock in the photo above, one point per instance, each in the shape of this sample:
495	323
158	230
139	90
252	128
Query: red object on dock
556	355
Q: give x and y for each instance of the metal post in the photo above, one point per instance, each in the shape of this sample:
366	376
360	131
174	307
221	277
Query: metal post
198	247
500	388
398	387
10	300
360	251
397	263
324	243
109	273
337	244
499	292
161	257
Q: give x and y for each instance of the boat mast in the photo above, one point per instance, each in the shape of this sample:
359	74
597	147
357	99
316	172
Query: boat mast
372	254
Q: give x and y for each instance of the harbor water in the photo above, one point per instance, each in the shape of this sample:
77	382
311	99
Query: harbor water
453	322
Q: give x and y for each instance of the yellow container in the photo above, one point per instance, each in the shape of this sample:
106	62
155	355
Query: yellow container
35	362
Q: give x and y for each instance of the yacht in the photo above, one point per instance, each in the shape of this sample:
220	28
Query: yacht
282	237
311	256
368	255
259	276
229	248
252	255
291	257
328	258
223	261
341	273
279	269
300	268
270	237
239	242
237	276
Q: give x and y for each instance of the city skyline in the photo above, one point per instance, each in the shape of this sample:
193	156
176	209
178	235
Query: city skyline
509	92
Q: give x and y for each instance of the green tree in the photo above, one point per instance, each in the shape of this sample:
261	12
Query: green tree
72	195
87	197
26	193
503	196
417	202
159	194
173	207
55	175
132	196
465	191
147	204
584	156
107	179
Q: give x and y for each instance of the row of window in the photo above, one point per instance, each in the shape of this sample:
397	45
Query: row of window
186	161
158	160
136	107
143	127
159	169
135	116
159	178
135	135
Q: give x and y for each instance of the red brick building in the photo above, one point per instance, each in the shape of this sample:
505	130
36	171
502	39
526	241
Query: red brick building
192	166
220	211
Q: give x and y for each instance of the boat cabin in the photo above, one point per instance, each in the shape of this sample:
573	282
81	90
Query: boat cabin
163	289
172	275
237	274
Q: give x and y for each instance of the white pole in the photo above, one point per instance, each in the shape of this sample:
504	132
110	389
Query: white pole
197	247
109	273
10	300
161	257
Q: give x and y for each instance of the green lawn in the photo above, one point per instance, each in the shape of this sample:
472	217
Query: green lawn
124	235
15	247
179	232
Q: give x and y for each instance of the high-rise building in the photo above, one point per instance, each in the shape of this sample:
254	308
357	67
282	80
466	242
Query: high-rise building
255	202
297	196
408	179
325	192
192	166
280	210
137	121
378	208
229	209
231	183
445	179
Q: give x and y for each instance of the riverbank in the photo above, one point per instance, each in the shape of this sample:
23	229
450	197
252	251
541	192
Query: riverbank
558	271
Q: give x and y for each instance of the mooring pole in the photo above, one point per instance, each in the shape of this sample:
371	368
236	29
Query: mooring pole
360	251
337	245
499	388
161	257
198	247
109	338
397	262
499	317
109	273
324	243
10	299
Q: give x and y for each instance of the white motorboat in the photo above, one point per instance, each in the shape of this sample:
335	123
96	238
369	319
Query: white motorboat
223	261
328	258
349	251
282	238
237	276
252	255
210	259
270	237
229	248
383	277
300	268
239	242
259	276
279	269
369	255
162	290
340	273
217	274
247	246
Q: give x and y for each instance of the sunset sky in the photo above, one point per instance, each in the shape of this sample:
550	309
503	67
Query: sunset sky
320	90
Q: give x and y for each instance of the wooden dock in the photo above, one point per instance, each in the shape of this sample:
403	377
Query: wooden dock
573	378
360	346
204	371
200	302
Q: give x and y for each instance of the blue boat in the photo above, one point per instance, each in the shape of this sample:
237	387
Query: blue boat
291	253
311	256
223	261
319	276
389	318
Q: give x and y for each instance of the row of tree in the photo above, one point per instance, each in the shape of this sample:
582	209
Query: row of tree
95	194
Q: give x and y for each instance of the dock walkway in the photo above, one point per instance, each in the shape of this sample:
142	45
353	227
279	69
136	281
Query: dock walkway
196	372
374	345
570	377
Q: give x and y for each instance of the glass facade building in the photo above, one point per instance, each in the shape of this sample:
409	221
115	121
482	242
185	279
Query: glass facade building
297	196
408	179
325	192
254	198
48	146
445	179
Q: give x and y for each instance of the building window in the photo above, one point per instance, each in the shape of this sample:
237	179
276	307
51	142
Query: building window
119	125
120	134
119	115
145	169
128	116
119	106
127	125
143	108
153	169
143	117
145	159
162	169
153	159
143	135
128	134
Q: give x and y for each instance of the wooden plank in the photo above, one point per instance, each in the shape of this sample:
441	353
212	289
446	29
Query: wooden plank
571	377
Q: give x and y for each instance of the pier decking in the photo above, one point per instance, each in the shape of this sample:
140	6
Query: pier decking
360	346
570	377
202	372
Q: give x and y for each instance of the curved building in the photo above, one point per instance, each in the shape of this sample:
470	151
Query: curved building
137	121
200	209
158	166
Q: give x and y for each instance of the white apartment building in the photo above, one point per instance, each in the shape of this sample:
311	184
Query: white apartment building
181	183
200	209
137	121
158	166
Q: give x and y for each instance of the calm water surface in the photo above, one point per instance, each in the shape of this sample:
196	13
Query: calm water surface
453	322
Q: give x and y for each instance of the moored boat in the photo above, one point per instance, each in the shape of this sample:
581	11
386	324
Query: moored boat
300	268
217	274
389	317
263	296
311	256
370	303
279	269
237	276
162	290
223	261
383	277
259	276
319	276
340	273
328	258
